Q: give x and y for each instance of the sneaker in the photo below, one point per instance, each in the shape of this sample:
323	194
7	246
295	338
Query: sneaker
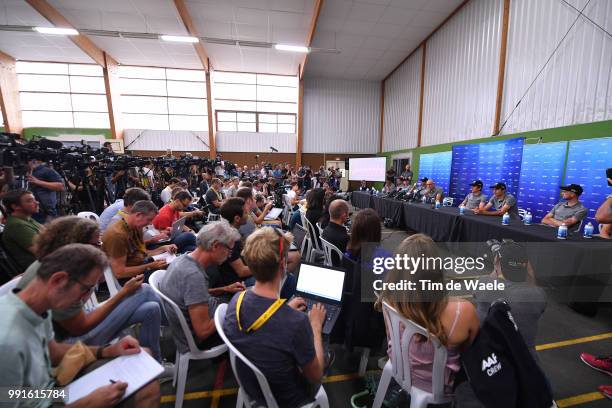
603	364
606	390
168	373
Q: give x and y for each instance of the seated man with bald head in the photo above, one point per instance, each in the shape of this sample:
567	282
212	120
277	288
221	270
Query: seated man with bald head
335	232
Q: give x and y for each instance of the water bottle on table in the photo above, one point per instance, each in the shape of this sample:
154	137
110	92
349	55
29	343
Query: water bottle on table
424	200
528	218
437	204
461	210
506	219
562	231
588	230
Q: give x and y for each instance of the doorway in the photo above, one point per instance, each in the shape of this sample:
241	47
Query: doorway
339	164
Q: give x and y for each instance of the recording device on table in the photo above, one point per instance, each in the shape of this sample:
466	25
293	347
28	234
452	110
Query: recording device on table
322	284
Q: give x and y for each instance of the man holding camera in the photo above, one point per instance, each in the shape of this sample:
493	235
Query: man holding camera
527	300
45	183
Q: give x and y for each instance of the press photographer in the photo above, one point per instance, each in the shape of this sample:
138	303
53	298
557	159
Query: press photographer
44	183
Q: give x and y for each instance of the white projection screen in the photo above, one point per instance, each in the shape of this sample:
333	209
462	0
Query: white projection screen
367	168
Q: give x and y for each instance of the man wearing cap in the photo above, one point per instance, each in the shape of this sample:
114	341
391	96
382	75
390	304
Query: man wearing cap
475	199
500	203
418	191
528	301
570	211
432	192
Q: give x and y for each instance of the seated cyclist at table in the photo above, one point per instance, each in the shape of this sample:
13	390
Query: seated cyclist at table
500	203
604	217
475	199
389	186
404	185
569	210
432	193
418	189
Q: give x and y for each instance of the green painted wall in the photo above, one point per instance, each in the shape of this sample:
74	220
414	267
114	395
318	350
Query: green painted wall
575	132
51	132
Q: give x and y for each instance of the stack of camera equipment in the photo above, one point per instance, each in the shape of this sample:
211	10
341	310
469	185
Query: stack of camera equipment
92	167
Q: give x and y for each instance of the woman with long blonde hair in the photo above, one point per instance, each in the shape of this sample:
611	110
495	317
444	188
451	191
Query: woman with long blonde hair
452	321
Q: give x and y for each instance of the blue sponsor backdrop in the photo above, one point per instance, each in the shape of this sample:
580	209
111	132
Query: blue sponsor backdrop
541	175
490	162
436	166
587	162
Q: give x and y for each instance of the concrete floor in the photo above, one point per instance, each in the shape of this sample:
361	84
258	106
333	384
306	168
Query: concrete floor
568	375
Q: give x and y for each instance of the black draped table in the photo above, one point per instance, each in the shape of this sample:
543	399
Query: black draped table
362	199
441	224
389	208
580	268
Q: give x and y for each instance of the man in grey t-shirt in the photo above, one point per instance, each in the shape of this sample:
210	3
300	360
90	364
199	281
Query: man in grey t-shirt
500	203
432	192
186	284
475	199
570	212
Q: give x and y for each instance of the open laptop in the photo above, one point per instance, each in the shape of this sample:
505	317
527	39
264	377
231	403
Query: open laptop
177	228
322	284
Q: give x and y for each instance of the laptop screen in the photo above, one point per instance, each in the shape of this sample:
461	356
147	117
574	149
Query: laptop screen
320	281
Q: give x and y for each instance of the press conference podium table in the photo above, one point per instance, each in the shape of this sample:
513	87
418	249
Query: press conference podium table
362	199
577	267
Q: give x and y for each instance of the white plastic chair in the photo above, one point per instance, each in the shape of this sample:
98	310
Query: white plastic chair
306	245
113	284
522	212
10	285
448	201
400	331
194	353
89	215
287	210
314	249
319	228
328	250
213	217
244	400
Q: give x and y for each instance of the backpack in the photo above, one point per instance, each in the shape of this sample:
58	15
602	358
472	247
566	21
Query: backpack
500	368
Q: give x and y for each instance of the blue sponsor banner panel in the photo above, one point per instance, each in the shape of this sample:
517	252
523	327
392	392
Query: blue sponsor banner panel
587	162
436	166
490	162
541	175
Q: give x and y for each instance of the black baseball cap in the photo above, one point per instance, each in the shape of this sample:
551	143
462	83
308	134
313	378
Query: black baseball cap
498	185
574	188
476	183
514	259
424	180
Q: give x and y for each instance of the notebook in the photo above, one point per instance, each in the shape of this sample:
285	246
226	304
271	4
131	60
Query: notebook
273	214
136	370
167	256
